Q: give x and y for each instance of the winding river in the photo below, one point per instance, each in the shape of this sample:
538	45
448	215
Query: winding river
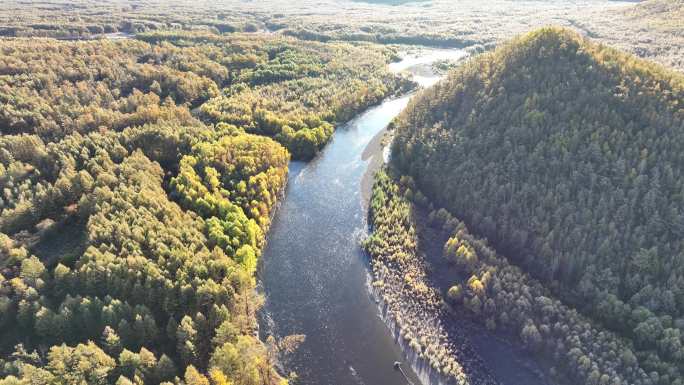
315	276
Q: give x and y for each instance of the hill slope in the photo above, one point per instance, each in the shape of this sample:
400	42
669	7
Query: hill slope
568	156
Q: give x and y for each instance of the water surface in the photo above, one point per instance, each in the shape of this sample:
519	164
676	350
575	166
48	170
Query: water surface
314	274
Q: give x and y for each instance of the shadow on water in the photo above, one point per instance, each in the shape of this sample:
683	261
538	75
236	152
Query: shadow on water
314	274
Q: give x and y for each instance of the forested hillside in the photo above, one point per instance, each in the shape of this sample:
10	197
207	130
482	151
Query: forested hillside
567	156
487	288
130	230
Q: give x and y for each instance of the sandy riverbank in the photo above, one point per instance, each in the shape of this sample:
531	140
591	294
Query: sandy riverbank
374	155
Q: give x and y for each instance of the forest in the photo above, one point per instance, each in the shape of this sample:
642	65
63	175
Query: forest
281	88
146	145
566	155
489	290
139	178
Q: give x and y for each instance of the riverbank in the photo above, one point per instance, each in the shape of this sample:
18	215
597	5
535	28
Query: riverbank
444	346
436	339
419	64
313	272
374	155
438	351
409	303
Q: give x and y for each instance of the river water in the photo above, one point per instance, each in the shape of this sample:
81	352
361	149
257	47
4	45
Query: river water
313	272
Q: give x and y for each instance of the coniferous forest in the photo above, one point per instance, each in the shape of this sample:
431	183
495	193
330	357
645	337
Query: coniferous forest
530	202
565	155
139	177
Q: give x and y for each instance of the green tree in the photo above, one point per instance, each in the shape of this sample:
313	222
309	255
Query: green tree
81	364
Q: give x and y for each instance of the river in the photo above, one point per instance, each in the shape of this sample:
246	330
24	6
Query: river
313	272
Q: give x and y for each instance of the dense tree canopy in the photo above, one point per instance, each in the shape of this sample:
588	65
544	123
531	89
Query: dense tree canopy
300	91
278	87
150	280
130	230
567	155
494	292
